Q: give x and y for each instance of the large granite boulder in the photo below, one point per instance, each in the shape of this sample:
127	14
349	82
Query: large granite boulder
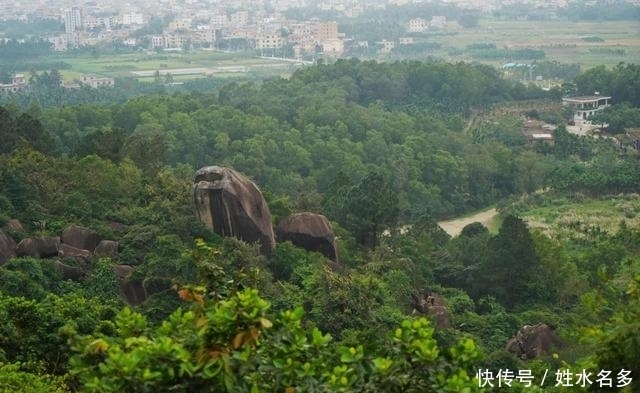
39	247
107	248
67	272
81	237
68	251
310	231
7	247
533	340
231	205
82	257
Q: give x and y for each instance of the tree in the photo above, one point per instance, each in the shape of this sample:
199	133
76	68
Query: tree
8	133
508	272
105	142
147	147
468	20
366	208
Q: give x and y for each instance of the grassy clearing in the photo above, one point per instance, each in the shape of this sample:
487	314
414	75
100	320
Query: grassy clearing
564	217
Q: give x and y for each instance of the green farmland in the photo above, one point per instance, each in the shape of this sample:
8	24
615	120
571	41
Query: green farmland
181	66
562	41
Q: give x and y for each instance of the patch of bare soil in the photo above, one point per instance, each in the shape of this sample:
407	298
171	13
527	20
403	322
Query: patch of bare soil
454	227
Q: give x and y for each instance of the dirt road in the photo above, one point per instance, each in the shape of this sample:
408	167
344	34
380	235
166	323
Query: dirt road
454	227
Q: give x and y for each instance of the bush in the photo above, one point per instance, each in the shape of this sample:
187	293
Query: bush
13	379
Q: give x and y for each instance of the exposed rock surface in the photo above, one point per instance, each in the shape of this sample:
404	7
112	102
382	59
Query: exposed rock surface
433	305
310	231
231	205
533	340
7	248
107	248
68	251
14	225
132	291
80	237
39	247
74	273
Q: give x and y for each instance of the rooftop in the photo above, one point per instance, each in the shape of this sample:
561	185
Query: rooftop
585	99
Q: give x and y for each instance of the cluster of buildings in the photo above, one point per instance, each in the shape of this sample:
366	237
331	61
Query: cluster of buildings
420	25
250	24
582	107
19	83
256	29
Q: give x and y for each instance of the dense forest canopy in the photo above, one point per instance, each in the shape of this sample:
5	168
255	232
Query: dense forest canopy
374	147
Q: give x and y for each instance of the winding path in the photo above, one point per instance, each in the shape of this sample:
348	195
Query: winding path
454	227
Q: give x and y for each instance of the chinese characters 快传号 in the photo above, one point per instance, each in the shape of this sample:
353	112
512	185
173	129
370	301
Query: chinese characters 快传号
563	377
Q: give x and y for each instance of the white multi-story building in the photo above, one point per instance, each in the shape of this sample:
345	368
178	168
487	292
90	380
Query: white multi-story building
96	82
585	106
157	41
72	19
218	19
386	46
181	24
272	40
17	84
417	25
132	18
240	18
438	22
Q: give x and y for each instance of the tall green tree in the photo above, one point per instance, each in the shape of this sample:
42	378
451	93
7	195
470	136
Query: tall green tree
508	272
366	209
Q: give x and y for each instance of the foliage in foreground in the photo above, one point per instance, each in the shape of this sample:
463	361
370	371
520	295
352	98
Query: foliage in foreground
234	345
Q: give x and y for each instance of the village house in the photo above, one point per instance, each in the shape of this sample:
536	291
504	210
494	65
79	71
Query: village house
585	106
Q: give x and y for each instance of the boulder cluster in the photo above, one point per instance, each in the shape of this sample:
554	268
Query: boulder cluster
77	243
225	201
230	204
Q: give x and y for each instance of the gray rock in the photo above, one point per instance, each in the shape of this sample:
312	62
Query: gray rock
533	340
74	273
39	247
107	248
68	251
14	225
81	237
310	231
231	205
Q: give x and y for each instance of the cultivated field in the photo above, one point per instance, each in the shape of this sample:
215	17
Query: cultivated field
181	66
586	43
563	41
